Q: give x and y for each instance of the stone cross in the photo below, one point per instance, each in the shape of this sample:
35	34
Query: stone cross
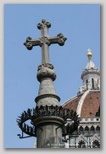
44	41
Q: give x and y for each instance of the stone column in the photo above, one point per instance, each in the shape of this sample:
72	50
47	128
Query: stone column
49	126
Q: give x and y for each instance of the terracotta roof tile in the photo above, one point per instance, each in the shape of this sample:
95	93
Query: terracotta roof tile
90	105
72	104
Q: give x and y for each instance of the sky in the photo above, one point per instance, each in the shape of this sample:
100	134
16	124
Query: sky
80	24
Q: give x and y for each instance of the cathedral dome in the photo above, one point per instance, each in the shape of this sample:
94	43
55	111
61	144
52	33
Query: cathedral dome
86	104
87	101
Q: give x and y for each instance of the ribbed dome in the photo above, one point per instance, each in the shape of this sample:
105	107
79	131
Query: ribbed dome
86	105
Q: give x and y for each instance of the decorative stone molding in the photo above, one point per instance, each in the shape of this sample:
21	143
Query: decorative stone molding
46	71
47	95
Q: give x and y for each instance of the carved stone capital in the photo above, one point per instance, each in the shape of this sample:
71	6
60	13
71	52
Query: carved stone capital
46	71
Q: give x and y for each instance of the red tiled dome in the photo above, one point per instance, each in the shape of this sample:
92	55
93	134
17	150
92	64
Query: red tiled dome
90	104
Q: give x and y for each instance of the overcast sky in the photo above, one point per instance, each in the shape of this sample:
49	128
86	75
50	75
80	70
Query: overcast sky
79	23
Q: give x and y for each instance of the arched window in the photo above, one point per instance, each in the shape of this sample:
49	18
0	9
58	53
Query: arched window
98	129
96	144
92	83
81	130
81	144
86	130
92	130
87	84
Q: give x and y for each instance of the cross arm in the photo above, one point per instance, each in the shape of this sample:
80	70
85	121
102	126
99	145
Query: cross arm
60	39
31	42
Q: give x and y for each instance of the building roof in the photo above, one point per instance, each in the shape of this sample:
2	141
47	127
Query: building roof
85	105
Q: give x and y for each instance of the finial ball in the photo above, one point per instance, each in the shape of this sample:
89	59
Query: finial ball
89	54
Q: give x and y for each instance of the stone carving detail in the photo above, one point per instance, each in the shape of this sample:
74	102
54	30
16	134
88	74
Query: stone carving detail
44	23
44	40
81	144
96	144
48	65
61	39
46	70
28	43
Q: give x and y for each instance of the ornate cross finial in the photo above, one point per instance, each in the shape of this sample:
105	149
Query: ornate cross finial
44	41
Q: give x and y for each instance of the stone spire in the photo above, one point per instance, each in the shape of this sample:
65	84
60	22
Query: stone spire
47	127
48	118
90	75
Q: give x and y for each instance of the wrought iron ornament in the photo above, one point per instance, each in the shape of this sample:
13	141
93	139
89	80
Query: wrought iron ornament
45	111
